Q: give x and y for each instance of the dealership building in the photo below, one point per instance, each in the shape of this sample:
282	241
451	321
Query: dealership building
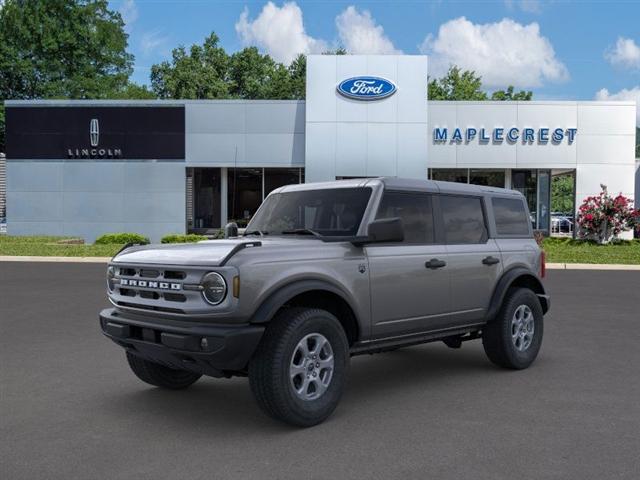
84	168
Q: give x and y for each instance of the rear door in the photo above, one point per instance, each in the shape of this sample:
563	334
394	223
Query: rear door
409	280
474	260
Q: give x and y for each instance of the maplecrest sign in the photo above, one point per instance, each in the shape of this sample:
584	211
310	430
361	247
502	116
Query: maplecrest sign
512	135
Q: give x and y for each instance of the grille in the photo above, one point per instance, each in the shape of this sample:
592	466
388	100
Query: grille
155	288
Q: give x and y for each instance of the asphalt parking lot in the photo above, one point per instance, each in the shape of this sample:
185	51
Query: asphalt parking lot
71	409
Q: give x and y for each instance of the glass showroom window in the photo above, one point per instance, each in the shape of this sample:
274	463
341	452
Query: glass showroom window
458	175
279	177
535	186
203	186
488	178
244	194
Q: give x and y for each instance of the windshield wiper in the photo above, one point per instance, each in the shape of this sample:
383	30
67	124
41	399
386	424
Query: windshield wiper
301	231
255	232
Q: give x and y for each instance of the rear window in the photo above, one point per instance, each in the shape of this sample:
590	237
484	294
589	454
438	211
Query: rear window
511	217
463	219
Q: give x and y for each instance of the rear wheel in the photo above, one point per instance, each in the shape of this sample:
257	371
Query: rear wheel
299	371
159	375
513	338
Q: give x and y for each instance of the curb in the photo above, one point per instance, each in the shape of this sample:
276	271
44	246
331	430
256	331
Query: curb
550	266
591	266
9	258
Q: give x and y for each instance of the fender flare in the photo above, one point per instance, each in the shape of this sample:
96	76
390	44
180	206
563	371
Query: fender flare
505	282
268	308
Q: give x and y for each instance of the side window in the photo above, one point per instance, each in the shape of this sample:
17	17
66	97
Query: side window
463	219
415	212
511	217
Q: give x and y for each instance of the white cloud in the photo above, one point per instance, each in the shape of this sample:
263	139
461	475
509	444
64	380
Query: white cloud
632	94
626	53
504	53
129	12
278	31
360	34
528	6
151	41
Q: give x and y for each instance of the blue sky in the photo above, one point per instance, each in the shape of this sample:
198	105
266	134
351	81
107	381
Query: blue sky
561	50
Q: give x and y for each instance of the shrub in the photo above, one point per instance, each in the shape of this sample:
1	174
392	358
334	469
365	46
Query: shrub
177	238
604	217
121	238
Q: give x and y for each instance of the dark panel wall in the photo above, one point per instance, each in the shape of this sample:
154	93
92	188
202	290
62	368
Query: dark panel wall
146	132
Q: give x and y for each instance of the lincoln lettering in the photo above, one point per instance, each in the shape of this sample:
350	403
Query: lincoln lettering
511	135
94	152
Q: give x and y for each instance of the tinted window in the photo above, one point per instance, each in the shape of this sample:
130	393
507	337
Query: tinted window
463	219
511	217
330	212
415	212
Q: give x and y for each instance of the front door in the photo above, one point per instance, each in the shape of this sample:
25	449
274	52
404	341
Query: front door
410	290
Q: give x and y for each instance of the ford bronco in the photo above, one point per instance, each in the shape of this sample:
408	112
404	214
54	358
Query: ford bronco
327	271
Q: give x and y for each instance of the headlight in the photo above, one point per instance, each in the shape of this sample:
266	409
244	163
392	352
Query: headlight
111	273
214	288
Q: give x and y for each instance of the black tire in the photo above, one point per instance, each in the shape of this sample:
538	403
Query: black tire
269	374
159	375
497	334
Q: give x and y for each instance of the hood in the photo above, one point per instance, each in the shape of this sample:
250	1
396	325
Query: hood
208	253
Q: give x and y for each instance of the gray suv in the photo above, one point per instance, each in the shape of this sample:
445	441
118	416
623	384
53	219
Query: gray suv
327	271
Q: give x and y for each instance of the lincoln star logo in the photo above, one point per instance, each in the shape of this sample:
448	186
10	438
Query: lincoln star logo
94	132
366	88
128	282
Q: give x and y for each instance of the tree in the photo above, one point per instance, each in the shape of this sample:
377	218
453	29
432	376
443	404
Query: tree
562	190
199	74
298	74
457	85
61	49
510	95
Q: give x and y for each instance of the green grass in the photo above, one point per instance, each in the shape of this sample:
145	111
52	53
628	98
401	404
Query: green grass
47	246
559	250
566	250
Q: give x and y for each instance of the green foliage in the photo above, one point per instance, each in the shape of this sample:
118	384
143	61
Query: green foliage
567	250
207	72
121	238
177	238
61	49
510	95
562	193
458	84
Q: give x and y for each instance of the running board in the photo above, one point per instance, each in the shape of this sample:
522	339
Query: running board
383	344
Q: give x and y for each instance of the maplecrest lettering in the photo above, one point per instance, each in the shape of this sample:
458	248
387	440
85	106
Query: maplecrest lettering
511	135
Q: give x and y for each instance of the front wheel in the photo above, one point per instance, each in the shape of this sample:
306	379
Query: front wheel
159	375
513	338
299	371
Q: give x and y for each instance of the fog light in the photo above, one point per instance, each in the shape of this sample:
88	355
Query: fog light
204	344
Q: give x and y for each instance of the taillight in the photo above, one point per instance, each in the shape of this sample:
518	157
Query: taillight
543	264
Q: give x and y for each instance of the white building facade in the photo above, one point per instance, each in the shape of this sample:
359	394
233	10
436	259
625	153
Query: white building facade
84	168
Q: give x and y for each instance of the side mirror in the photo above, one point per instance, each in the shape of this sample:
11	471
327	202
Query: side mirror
231	230
385	230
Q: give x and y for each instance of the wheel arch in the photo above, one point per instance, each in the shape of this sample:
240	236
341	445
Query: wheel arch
312	294
516	277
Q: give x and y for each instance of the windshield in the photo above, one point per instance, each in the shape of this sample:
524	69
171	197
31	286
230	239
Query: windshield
327	212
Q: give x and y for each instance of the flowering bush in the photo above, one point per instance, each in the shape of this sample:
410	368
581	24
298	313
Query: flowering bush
604	217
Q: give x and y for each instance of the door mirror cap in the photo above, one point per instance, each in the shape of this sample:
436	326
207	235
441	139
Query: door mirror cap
385	230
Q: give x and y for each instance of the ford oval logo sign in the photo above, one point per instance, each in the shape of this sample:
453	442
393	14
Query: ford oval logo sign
366	88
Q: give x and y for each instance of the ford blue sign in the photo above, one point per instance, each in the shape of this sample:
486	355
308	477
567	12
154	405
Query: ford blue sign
366	88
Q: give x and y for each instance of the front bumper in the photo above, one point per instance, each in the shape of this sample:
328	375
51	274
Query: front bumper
214	350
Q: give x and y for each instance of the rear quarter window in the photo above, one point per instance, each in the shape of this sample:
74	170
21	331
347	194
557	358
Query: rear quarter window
511	216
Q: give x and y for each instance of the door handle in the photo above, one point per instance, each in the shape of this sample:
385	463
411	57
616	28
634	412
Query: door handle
490	260
435	263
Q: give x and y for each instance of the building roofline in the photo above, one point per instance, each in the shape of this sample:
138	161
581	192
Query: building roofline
152	103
